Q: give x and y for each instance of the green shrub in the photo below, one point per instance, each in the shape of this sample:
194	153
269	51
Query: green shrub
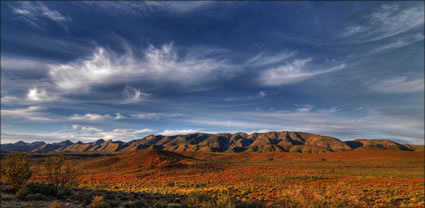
40	188
174	205
197	198
4	197
22	193
135	204
16	169
170	183
36	197
65	193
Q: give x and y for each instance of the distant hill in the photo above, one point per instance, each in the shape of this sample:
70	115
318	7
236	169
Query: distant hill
224	142
21	146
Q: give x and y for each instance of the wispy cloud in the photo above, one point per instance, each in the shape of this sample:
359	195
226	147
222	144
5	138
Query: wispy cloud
398	85
79	132
39	95
262	59
149	116
132	95
96	117
387	21
31	12
148	7
161	65
29	113
294	72
401	42
178	132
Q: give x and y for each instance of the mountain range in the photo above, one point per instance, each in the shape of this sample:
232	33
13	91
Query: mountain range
223	142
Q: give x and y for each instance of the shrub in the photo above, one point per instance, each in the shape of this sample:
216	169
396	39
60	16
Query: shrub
174	205
224	200
65	193
197	198
40	188
22	193
17	169
135	204
4	197
36	197
60	173
55	204
97	202
170	183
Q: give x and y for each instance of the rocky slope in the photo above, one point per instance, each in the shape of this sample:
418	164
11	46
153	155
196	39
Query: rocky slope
223	142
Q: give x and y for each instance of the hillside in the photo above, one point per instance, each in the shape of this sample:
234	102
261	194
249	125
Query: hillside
223	142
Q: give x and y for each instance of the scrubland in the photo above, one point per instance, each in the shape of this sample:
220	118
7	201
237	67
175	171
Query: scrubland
192	179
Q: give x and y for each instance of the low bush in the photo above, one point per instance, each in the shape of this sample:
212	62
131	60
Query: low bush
36	197
22	193
135	204
98	202
4	197
55	204
40	188
65	193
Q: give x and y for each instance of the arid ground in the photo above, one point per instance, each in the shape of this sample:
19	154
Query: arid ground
157	178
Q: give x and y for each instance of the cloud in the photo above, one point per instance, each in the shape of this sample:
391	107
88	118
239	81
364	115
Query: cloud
398	85
402	42
29	113
261	94
9	99
293	72
305	108
149	116
387	21
91	117
261	59
132	95
178	132
39	95
22	63
159	65
31	12
148	7
90	133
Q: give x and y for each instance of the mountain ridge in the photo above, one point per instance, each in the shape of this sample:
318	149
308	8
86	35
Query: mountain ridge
284	141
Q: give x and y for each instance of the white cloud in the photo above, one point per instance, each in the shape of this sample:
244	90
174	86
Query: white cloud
23	63
353	30
30	113
9	99
148	116
93	133
387	21
147	7
118	116
160	65
90	117
39	95
398	85
305	108
261	59
294	72
178	132
261	94
132	95
401	42
31	12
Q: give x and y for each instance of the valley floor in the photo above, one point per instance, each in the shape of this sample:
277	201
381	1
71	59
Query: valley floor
340	179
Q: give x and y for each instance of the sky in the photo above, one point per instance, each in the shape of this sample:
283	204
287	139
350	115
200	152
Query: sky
125	70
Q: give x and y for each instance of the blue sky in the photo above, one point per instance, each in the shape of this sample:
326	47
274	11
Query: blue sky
124	70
